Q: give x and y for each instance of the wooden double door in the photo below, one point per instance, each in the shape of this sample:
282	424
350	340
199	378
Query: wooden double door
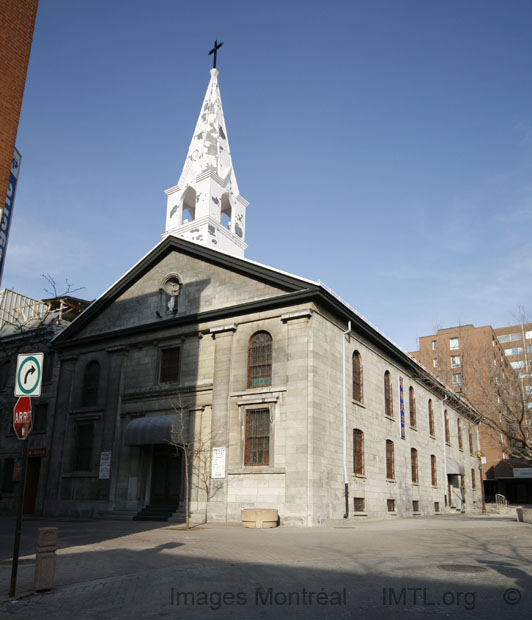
166	475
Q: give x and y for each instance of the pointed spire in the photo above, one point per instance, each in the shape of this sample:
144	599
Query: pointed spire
205	206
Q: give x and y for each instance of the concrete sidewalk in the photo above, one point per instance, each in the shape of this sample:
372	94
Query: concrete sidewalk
125	569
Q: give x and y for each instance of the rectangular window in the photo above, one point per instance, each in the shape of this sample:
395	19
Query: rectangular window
257	450
359	504
434	345
84	436
358	451
517	364
514	351
446	420
473	480
509	338
454	343
435	363
459	431
528	335
415	505
455	361
457	379
391	505
433	475
471	442
389	460
40	418
413	463
436	506
47	367
169	369
7	475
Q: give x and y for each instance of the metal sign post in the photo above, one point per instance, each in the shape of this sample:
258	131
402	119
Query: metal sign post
22	426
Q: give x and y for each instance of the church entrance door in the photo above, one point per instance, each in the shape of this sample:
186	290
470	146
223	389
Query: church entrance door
166	475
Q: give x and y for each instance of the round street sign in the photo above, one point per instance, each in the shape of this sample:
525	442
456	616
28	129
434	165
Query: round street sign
22	417
29	374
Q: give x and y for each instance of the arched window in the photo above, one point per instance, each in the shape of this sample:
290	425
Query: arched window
390	469
433	474
413	461
189	206
91	383
446	421
358	393
388	404
412	407
459	430
358	451
226	212
431	419
260	360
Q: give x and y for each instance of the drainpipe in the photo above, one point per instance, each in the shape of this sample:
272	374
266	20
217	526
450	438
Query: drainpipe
346	481
446	479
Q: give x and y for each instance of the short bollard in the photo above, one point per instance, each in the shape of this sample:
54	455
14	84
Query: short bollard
45	558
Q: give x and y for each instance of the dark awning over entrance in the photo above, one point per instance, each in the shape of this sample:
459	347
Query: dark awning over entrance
155	429
454	467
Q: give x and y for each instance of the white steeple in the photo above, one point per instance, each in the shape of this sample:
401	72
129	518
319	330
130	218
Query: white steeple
205	206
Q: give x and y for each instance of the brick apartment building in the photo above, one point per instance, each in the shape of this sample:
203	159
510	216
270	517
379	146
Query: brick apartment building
473	360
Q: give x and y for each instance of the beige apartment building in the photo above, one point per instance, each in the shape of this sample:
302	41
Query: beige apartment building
477	362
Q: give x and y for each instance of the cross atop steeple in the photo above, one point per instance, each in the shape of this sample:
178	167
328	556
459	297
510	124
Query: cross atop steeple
214	50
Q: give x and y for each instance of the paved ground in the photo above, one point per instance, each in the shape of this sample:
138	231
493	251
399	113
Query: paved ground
434	567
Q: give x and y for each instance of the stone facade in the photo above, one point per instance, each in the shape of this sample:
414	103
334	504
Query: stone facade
222	303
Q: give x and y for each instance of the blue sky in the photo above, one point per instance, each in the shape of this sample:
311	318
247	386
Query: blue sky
385	146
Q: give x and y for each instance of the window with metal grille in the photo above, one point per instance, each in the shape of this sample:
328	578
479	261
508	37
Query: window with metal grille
434	477
40	418
91	384
415	505
359	504
391	505
447	434
83	447
412	406
389	460
388	404
473	481
436	506
257	450
358	393
260	360
358	451
459	430
169	369
431	419
470	442
413	462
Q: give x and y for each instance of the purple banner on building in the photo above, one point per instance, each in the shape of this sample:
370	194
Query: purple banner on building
402	402
7	213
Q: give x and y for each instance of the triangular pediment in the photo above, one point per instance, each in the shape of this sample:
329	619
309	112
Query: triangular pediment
209	281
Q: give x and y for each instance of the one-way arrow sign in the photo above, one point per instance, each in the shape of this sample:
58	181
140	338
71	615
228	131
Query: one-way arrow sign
28	378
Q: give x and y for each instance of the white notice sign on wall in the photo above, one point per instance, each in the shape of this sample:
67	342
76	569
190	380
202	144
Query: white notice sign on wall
218	463
105	465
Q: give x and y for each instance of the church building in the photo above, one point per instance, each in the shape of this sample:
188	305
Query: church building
281	395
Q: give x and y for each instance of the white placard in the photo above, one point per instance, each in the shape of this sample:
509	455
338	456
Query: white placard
522	472
105	465
218	463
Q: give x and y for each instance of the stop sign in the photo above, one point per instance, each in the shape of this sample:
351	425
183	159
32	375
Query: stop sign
22	417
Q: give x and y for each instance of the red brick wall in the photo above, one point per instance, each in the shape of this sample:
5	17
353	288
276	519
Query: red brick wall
17	18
